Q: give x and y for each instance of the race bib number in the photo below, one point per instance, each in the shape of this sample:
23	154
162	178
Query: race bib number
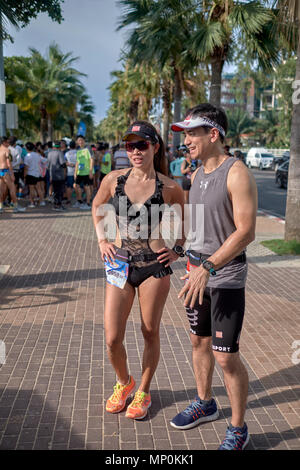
116	272
81	166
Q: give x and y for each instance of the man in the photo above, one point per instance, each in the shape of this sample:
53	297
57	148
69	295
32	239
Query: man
121	159
215	284
57	174
7	177
105	166
16	153
83	174
32	173
71	158
175	167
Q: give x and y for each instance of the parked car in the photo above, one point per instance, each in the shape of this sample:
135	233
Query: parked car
278	161
259	158
281	175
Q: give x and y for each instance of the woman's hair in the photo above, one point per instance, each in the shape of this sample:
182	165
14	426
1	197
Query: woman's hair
160	159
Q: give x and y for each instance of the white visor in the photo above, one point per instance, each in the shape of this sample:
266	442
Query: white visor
198	121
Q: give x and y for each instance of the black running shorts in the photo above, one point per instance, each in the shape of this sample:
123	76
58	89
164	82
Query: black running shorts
220	316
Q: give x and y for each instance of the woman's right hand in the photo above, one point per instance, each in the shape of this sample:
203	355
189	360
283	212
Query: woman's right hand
107	250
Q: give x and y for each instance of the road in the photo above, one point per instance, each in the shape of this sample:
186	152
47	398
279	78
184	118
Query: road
270	198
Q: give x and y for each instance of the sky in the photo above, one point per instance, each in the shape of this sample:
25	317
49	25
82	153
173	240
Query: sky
89	31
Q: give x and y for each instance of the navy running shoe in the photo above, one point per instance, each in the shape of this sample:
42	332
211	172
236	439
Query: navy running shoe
196	413
236	438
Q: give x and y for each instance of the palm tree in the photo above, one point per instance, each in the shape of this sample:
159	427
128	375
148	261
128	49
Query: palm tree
221	26
238	123
161	30
49	84
289	22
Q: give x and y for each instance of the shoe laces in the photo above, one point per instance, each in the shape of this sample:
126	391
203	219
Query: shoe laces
118	389
195	406
138	398
233	440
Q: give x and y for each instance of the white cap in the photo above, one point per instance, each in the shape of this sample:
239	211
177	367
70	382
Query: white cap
191	122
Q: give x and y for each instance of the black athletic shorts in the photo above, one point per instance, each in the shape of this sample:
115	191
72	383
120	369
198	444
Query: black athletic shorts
220	316
31	180
84	179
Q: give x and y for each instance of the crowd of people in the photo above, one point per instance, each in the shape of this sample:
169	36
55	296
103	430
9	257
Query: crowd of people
54	172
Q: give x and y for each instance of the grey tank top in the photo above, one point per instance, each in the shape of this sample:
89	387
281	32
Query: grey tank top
212	222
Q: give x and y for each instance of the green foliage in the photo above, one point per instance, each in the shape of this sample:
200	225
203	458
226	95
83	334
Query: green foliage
48	90
282	247
20	13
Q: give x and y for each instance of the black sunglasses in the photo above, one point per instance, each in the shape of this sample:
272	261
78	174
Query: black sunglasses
140	145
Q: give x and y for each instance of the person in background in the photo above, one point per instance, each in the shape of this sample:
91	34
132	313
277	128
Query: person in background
16	154
7	177
188	167
175	169
105	167
57	173
121	159
63	146
71	158
227	151
97	159
83	174
32	173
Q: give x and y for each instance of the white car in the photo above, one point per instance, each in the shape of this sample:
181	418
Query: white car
258	157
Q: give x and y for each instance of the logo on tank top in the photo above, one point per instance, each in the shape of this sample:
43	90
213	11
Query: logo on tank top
203	185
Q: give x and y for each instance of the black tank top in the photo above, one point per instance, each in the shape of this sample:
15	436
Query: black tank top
135	221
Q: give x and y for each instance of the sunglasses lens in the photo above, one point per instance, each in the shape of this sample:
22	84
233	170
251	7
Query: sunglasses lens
141	145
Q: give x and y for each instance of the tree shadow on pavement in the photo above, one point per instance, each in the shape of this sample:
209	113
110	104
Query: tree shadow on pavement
52	297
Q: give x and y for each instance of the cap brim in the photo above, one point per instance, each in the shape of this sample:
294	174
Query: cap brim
139	134
180	126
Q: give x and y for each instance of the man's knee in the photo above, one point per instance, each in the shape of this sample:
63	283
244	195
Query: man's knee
201	342
229	362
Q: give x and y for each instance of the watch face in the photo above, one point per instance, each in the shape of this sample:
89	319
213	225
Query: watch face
178	249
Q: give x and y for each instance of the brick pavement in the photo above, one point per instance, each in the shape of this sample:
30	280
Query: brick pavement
57	376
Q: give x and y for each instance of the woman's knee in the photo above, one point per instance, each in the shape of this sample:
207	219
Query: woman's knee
150	334
113	343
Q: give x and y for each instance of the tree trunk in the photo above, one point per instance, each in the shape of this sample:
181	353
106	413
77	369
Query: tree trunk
177	106
292	218
166	97
216	81
43	124
50	128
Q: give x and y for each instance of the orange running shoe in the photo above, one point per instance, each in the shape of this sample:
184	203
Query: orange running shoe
117	400
138	408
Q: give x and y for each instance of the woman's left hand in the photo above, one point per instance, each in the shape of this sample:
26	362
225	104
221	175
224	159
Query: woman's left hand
166	255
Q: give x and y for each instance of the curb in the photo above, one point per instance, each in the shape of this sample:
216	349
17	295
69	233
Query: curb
269	215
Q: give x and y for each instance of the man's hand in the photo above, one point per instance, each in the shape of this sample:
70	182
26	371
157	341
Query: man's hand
196	282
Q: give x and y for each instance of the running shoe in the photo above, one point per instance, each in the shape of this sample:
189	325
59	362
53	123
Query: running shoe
42	204
139	406
31	206
117	400
236	438
196	413
76	205
19	209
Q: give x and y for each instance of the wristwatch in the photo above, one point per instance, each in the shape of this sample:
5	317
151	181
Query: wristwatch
178	250
208	265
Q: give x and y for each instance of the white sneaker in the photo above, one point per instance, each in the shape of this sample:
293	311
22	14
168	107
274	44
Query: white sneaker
31	206
19	209
85	207
42	203
77	205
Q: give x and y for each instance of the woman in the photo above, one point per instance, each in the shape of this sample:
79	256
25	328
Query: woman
188	166
140	189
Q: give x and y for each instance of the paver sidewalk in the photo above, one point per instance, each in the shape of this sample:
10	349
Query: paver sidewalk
56	377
